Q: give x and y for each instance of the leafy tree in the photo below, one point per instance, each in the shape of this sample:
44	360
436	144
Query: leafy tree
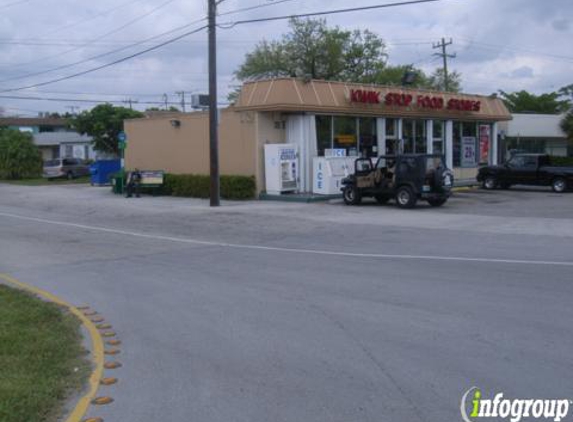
567	125
103	123
313	50
19	157
171	109
523	101
437	81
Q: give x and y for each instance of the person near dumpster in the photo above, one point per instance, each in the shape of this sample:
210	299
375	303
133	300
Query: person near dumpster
133	184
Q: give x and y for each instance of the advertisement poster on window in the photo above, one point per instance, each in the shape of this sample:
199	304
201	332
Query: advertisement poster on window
468	151
484	142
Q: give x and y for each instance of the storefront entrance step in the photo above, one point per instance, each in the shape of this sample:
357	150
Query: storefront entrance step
298	197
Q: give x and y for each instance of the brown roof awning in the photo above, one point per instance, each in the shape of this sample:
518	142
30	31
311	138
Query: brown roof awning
317	96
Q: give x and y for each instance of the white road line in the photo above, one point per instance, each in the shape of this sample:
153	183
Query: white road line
289	250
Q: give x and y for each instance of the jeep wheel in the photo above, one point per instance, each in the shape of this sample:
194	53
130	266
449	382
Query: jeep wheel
437	202
382	199
559	185
405	197
351	195
489	183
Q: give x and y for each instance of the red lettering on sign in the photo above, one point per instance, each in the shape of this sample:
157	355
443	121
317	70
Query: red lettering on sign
367	97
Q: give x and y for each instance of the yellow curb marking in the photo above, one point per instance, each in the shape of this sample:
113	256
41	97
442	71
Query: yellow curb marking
102	400
108	381
108	334
111	351
112	365
97	346
113	342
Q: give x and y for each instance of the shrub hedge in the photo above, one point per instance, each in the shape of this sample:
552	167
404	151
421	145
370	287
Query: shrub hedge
197	186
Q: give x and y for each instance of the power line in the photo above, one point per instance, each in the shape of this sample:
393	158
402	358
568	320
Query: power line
170	41
123	59
98	56
104	13
329	12
15	3
114	31
259	6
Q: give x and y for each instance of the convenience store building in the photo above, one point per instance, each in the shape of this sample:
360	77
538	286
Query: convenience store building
321	118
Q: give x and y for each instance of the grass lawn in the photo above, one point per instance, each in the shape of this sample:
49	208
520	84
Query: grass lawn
42	359
41	181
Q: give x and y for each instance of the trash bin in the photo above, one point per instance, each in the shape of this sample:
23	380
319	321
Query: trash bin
102	170
118	183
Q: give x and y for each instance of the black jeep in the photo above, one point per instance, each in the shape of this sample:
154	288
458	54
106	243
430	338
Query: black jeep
406	178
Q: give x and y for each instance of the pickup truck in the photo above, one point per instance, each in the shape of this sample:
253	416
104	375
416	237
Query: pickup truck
526	169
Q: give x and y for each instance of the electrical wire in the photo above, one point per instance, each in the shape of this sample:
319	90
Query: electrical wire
14	3
121	60
329	12
114	31
170	41
99	56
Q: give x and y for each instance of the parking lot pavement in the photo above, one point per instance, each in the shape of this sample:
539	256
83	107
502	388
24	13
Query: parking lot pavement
259	311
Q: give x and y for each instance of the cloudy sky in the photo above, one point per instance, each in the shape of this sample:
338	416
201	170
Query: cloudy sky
500	44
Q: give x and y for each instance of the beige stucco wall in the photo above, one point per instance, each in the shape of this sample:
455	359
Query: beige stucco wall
155	144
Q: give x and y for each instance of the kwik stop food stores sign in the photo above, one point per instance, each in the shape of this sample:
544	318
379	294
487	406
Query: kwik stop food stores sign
418	102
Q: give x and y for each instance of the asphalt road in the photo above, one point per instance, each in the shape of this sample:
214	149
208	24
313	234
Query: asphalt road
264	311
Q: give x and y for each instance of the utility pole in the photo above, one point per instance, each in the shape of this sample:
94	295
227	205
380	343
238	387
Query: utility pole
130	102
182	95
445	56
73	109
213	135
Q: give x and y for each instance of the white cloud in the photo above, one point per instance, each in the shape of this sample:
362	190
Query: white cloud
509	44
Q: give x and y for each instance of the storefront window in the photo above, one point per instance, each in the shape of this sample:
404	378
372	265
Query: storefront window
368	139
457	144
345	135
391	136
414	135
438	137
466	145
323	133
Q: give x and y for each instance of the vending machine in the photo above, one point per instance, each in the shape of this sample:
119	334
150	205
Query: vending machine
328	173
281	168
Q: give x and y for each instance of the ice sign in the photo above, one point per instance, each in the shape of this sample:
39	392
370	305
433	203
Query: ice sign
288	154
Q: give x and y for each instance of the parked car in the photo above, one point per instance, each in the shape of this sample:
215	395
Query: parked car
65	168
405	178
526	169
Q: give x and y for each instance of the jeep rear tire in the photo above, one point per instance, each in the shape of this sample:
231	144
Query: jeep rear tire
351	195
405	197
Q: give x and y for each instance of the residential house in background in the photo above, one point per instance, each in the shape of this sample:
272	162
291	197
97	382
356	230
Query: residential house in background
53	136
535	133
